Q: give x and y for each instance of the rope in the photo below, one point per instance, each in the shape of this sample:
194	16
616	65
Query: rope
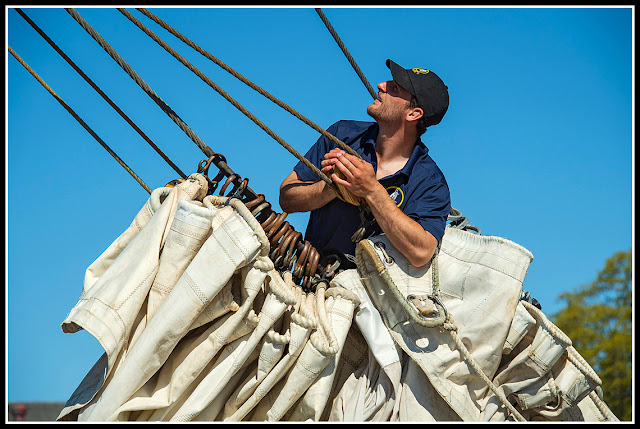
602	407
450	326
219	161
155	97
84	124
458	221
346	53
216	158
246	81
226	96
99	91
444	320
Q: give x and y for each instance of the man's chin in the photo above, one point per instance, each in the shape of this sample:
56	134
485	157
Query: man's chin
371	111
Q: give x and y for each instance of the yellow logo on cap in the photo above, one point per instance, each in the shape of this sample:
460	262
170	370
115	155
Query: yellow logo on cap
420	71
396	194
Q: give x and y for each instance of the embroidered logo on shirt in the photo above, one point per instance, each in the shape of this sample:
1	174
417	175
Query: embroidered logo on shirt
396	194
420	71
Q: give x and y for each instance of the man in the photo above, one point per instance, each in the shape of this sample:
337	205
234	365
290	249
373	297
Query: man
395	163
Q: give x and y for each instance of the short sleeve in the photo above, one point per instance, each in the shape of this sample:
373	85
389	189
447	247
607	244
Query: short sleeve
430	206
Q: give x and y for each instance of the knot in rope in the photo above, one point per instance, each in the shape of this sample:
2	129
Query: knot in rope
449	324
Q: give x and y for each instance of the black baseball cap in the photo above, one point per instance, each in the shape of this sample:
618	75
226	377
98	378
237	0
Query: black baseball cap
428	89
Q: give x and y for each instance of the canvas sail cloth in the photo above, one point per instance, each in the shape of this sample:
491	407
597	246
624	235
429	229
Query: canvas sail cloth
197	325
479	283
190	311
182	234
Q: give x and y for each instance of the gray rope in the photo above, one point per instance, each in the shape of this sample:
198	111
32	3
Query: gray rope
246	81
459	221
84	124
346	53
99	91
227	97
155	97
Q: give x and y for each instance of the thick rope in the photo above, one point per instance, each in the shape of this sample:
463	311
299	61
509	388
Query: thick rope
602	407
84	124
151	93
102	94
227	97
346	53
246	81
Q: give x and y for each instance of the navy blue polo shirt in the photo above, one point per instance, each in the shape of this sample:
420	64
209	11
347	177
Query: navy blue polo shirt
419	189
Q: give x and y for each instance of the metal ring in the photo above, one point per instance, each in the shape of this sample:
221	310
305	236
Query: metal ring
226	183
238	189
276	224
254	202
203	166
259	209
278	235
268	221
300	260
284	244
387	259
290	257
312	265
440	310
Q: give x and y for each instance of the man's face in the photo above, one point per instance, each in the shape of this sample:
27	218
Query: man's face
392	105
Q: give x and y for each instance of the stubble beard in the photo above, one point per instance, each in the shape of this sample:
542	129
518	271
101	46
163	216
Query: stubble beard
382	115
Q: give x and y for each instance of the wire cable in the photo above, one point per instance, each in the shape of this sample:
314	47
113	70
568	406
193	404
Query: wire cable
83	123
99	91
246	81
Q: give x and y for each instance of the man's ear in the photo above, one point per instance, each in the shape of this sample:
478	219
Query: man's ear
414	114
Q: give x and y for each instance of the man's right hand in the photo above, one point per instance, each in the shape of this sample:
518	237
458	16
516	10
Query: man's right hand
330	159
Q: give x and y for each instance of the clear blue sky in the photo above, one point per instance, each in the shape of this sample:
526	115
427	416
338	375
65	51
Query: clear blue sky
537	145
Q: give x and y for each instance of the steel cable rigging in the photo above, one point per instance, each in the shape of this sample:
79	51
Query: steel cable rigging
77	118
100	92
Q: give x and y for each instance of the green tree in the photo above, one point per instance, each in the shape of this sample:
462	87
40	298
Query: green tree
597	318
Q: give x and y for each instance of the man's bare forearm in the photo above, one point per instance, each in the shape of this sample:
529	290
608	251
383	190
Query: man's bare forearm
406	235
299	196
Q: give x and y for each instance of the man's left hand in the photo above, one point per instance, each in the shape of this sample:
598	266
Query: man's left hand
359	175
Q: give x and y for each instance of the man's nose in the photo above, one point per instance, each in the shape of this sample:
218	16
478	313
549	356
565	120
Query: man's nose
382	86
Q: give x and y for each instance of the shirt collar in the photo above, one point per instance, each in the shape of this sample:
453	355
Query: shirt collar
419	150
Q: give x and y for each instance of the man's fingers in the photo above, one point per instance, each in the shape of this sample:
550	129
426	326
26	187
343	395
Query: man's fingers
350	162
344	169
333	153
340	181
328	162
327	168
